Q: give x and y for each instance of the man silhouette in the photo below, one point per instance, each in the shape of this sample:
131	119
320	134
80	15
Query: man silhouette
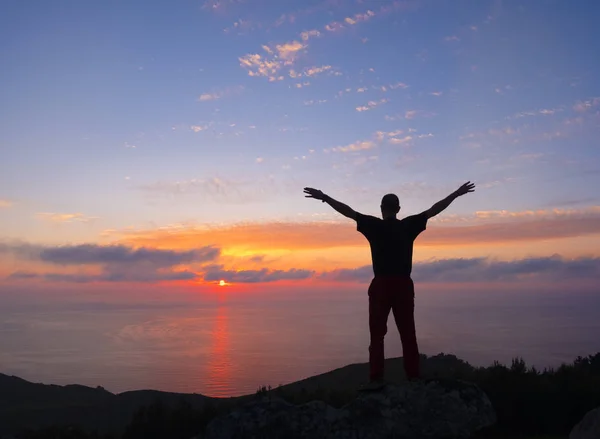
391	241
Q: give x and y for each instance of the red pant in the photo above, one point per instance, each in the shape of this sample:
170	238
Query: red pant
396	293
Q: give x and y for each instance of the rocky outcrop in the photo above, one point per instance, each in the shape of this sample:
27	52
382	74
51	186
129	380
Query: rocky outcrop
434	409
588	427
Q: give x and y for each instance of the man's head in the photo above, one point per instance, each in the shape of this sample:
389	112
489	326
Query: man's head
390	206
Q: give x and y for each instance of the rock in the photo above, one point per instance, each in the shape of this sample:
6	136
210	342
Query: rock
588	427
432	409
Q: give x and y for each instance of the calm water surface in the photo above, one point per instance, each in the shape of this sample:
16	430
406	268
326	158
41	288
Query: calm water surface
230	345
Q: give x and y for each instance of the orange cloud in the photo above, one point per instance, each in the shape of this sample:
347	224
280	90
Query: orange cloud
269	66
289	50
479	229
66	217
5	204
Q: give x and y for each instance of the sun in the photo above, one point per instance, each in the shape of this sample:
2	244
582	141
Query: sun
222	283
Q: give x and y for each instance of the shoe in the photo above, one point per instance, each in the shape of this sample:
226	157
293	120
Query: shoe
372	386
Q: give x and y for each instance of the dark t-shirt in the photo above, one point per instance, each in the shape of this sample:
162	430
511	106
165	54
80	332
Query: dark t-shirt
391	241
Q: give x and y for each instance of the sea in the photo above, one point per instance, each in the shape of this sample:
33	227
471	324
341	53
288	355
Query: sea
230	342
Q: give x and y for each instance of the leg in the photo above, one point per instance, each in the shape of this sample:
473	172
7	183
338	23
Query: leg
403	307
379	310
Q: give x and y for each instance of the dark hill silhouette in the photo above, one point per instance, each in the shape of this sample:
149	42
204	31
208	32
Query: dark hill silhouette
528	402
24	404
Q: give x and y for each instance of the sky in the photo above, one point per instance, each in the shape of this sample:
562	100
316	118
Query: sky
168	143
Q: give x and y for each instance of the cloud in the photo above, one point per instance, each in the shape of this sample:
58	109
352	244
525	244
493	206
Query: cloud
89	254
284	55
66	217
371	104
436	93
543	112
306	35
134	275
584	106
356	146
334	26
484	270
409	115
216	273
357	18
269	66
214	186
222	190
218	94
219	5
95	254
313	102
289	50
198	128
312	71
476	229
5	204
540	213
451	38
118	263
400	140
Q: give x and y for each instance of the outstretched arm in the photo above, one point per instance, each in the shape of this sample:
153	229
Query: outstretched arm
442	204
340	207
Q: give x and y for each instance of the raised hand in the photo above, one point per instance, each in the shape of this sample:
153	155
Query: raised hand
465	188
314	193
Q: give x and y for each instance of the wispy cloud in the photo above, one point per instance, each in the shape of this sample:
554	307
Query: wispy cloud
409	115
401	85
222	190
276	58
356	146
198	128
5	204
400	140
218	94
314	102
357	18
220	5
542	112
214	186
284	55
484	270
66	217
371	104
587	105
311	71
306	35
